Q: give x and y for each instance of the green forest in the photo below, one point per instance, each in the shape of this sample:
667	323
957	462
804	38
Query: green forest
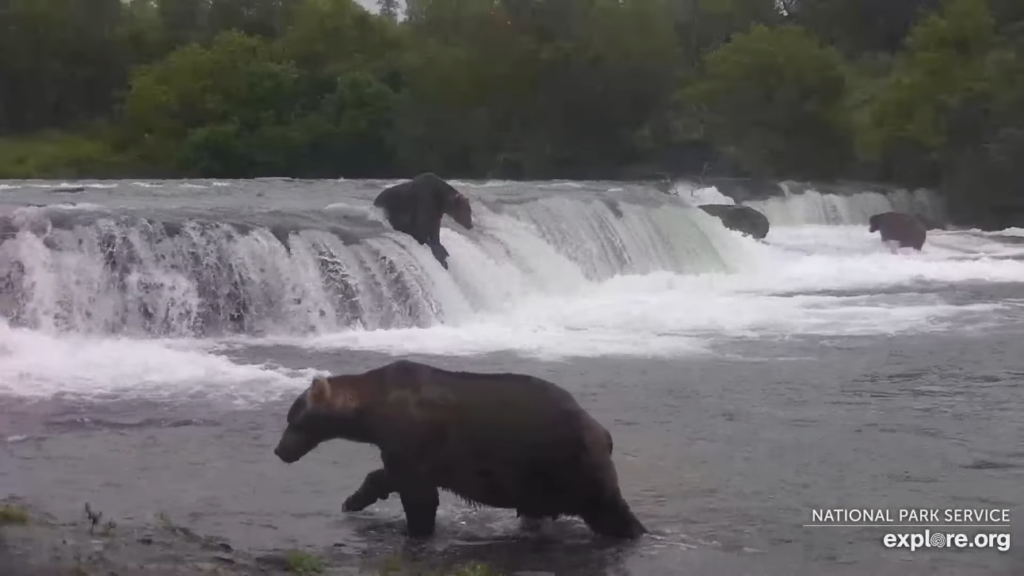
911	92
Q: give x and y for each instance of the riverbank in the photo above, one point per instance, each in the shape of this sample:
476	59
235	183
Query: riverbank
34	543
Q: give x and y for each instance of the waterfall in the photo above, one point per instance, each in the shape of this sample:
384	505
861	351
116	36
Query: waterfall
798	204
72	270
811	206
159	271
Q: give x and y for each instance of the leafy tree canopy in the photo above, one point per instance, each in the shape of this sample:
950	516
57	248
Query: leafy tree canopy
915	92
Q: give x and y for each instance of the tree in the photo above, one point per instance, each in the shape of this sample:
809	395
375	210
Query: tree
388	9
329	37
919	92
264	18
61	62
233	87
952	111
861	26
704	25
939	77
772	99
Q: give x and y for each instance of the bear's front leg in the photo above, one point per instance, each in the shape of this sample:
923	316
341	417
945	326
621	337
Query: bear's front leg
420	504
419	494
376	486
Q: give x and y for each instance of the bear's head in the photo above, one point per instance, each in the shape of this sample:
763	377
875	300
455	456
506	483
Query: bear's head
324	411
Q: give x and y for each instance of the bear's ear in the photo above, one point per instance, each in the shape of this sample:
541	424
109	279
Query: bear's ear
320	392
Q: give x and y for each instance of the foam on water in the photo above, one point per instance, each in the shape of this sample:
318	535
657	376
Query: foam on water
813	207
1017	232
34	364
697	195
780	292
553	277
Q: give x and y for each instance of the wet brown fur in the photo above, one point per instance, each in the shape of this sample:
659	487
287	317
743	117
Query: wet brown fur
905	229
501	440
338	394
417	207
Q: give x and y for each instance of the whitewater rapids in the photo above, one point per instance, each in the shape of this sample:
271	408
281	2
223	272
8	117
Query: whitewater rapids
144	288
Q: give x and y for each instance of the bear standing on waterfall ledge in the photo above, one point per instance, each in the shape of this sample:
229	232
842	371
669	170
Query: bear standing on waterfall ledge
417	206
903	229
503	440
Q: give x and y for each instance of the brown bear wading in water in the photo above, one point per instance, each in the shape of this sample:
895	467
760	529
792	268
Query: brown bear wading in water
503	440
416	208
905	229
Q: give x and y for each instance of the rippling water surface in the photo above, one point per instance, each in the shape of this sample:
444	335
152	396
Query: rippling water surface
155	333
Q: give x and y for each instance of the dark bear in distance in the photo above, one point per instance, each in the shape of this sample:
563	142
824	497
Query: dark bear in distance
503	440
416	208
742	219
905	229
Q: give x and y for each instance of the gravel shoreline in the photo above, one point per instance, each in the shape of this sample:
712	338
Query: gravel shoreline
33	543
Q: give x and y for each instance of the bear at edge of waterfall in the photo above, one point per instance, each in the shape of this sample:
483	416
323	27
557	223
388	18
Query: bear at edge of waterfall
416	208
905	229
743	219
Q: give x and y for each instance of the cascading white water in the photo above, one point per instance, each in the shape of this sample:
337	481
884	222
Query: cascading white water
814	207
139	290
130	275
810	206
